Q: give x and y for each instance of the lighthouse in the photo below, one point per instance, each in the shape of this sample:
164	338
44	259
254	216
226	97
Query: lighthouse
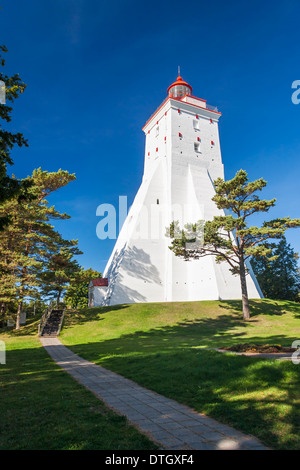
182	159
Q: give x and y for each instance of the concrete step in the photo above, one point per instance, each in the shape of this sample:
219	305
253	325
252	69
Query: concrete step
52	324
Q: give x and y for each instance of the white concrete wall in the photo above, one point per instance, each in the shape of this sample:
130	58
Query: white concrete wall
99	295
195	101
141	267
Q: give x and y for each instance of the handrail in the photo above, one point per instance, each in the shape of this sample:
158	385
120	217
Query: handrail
212	108
45	317
61	322
43	320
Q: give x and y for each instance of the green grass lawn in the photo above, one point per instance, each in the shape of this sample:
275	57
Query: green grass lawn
43	408
162	346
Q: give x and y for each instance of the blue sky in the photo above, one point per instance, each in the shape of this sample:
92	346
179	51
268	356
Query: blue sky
96	70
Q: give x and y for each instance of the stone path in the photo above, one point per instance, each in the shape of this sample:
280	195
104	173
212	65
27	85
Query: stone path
171	425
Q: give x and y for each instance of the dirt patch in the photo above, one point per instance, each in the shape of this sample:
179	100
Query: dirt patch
259	348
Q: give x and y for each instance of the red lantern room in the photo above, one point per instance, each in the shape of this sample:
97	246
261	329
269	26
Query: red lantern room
179	89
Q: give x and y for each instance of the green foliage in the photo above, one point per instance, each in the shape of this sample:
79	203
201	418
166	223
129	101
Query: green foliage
9	186
159	345
228	237
30	248
278	275
34	258
35	306
77	295
60	269
43	408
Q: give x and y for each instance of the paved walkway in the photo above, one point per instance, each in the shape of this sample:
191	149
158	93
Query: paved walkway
171	425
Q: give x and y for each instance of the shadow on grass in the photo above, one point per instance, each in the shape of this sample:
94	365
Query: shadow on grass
254	395
72	317
43	408
223	330
262	307
31	328
257	396
75	317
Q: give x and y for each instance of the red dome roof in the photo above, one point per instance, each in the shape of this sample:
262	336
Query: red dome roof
181	82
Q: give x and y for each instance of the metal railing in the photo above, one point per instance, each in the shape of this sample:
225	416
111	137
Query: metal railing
43	320
45	317
212	108
61	322
208	106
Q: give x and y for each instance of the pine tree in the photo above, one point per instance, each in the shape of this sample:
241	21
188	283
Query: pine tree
26	242
228	237
60	270
9	186
278	277
77	295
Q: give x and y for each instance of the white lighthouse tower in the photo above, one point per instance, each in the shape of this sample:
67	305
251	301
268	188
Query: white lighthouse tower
182	159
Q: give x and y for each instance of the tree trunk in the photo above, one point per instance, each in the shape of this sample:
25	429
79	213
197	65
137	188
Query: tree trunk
19	314
245	301
2	313
21	295
58	298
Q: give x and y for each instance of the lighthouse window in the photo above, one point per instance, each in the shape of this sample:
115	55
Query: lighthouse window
157	201
157	131
197	147
196	124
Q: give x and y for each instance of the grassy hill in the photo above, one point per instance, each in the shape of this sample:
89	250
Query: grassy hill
162	346
44	408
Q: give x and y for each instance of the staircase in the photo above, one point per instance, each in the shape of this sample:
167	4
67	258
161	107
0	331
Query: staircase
53	324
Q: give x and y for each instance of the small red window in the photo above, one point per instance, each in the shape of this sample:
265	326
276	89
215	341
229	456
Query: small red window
180	135
178	111
148	154
157	149
212	142
198	138
211	121
165	138
197	117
